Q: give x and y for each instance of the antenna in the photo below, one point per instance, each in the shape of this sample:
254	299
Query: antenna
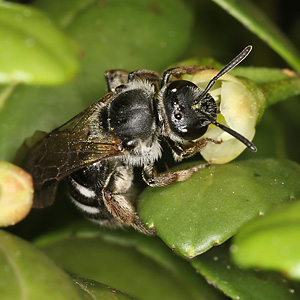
237	60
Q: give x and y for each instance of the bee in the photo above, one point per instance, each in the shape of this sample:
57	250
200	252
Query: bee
97	150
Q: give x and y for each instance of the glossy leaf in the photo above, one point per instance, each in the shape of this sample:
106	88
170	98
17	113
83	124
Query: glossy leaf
129	261
33	49
121	34
271	242
214	203
93	290
36	108
217	268
27	273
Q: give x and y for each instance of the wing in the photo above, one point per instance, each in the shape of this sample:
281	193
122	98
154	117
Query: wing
67	149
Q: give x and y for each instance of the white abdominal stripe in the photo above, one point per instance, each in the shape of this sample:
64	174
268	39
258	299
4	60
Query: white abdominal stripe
88	202
86	209
84	191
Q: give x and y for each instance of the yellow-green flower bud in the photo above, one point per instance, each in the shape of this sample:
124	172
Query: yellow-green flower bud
16	194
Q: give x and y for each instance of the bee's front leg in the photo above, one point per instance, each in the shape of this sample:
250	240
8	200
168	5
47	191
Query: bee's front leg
183	151
195	147
115	78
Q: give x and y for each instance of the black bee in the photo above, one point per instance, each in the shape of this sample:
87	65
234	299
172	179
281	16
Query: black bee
97	150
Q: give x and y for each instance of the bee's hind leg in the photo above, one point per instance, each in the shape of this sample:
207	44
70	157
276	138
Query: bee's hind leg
118	203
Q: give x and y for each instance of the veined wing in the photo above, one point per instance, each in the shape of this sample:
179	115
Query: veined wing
67	149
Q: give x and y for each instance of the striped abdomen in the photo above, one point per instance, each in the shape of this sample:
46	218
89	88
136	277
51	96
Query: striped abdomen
85	188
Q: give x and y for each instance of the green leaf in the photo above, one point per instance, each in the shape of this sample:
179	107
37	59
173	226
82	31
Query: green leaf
121	34
36	108
93	290
271	242
26	273
33	49
259	23
217	268
129	261
214	203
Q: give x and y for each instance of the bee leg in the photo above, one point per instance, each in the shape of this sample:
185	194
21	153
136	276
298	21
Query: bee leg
115	78
164	179
195	147
144	74
179	71
116	202
184	151
153	179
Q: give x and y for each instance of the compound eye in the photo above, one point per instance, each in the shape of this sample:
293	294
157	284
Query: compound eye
185	122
